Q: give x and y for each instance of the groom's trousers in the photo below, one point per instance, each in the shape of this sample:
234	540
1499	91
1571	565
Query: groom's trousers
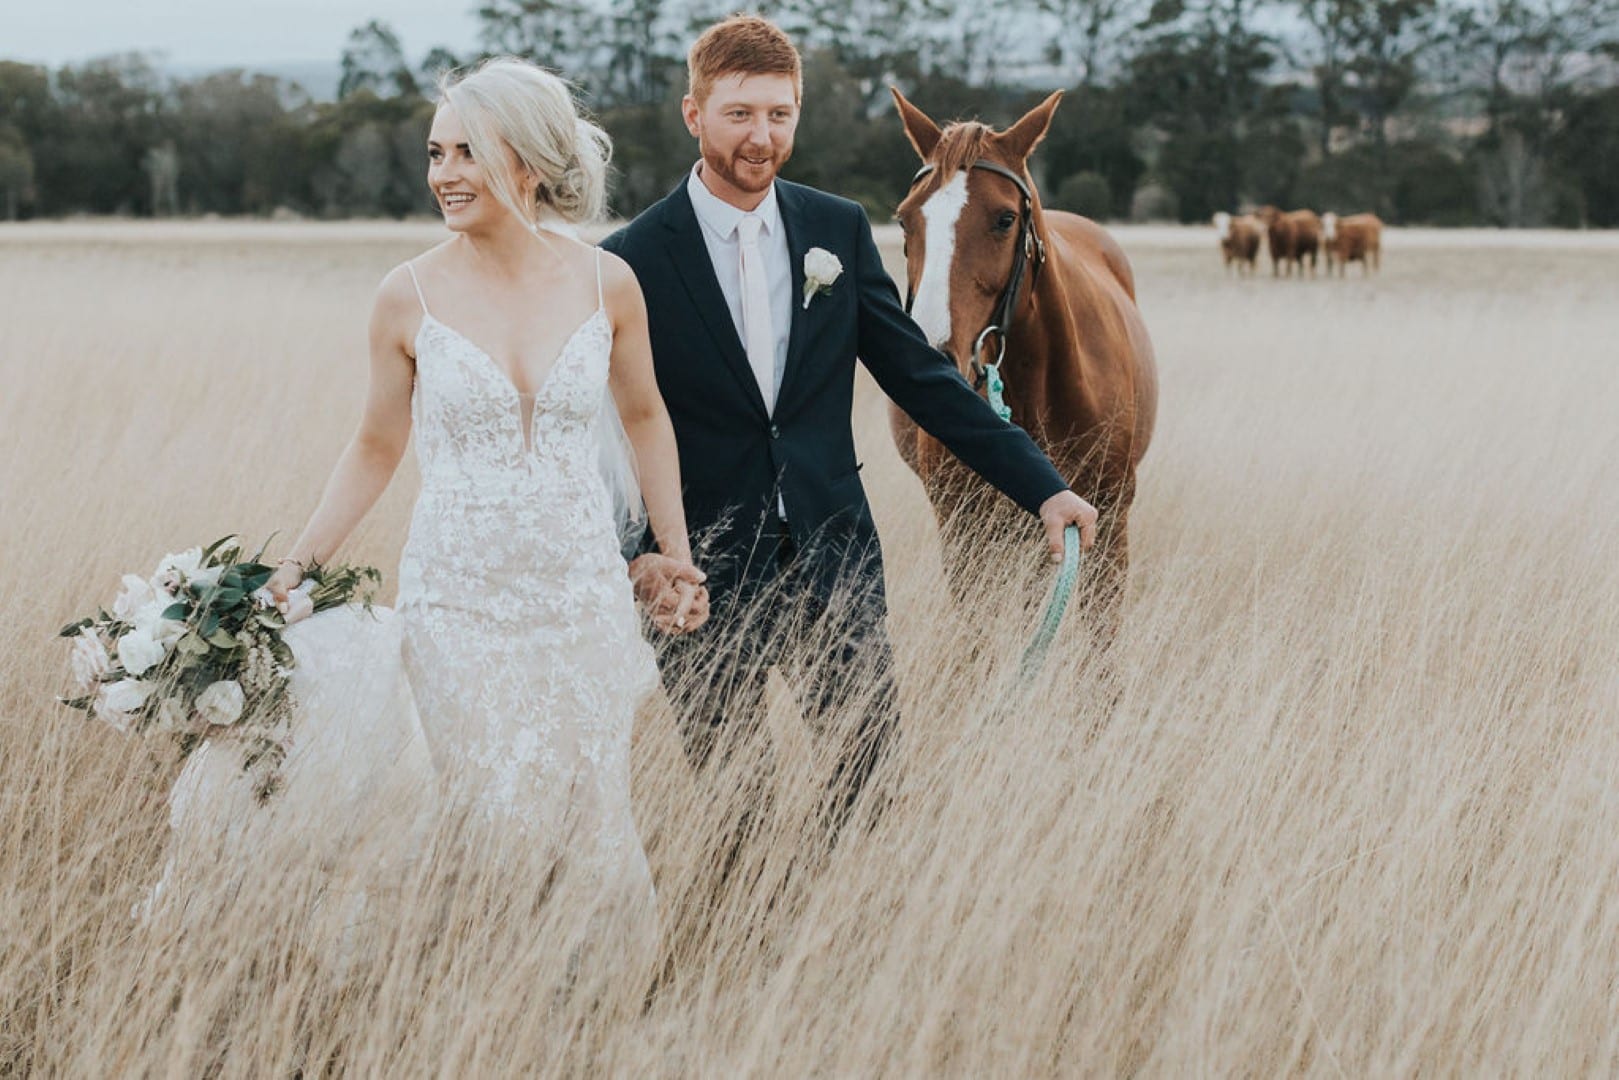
833	652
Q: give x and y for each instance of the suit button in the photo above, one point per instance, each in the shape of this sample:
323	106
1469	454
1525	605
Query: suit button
775	432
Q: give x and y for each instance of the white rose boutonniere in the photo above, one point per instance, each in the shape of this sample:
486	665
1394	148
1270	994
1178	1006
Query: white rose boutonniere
821	269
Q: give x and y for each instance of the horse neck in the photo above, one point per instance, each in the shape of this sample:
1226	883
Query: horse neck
1050	346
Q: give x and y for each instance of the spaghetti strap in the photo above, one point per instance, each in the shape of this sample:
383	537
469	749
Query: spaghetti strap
600	301
419	297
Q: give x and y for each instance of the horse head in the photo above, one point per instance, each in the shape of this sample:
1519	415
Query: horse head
974	232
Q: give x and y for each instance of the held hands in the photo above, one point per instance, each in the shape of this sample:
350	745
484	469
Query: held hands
672	592
1064	509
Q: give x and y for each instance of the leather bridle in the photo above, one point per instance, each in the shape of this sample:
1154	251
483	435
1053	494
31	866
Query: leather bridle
1031	249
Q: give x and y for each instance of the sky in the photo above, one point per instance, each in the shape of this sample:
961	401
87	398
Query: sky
223	33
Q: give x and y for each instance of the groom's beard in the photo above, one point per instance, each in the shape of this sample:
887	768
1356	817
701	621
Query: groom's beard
740	174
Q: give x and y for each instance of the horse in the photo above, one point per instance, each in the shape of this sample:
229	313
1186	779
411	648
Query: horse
1292	235
1040	303
1239	241
1358	236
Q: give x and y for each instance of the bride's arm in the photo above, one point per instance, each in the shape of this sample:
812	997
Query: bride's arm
368	462
641	408
652	438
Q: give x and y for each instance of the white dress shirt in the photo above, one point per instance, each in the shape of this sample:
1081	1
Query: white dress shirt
718	219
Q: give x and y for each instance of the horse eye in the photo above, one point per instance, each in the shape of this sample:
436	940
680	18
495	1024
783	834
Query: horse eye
1005	222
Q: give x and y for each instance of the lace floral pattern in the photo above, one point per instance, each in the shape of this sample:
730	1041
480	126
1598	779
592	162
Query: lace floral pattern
521	641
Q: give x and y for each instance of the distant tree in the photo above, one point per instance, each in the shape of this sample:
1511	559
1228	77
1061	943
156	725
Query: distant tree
559	34
374	60
16	171
1386	39
1586	149
1092	37
1091	133
229	126
1202	81
162	165
26	104
108	113
1326	48
438	61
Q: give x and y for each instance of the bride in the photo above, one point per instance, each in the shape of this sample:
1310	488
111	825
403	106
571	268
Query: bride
520	356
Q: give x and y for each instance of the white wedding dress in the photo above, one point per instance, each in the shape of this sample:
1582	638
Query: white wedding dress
514	660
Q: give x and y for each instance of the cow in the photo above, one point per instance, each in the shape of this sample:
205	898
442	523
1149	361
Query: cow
1356	237
1239	241
1292	235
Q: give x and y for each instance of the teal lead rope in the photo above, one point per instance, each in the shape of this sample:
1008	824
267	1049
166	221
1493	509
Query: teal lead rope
1034	657
995	390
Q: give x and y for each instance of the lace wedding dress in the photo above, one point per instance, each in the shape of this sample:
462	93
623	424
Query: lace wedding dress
514	659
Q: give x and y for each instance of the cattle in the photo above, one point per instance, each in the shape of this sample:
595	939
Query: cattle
1292	235
1239	241
1356	237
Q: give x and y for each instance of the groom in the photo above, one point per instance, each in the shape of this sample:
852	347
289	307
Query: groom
757	370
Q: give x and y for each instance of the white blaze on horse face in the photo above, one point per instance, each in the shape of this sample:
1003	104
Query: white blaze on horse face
1329	225
939	214
1222	224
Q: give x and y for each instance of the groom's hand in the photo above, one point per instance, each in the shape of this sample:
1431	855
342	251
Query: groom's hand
1062	510
671	590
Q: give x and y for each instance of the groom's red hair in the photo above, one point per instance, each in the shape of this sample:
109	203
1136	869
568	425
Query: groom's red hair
741	45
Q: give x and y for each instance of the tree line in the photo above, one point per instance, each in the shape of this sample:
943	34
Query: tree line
1449	112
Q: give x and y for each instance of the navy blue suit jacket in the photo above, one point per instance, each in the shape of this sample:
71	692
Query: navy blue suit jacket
734	455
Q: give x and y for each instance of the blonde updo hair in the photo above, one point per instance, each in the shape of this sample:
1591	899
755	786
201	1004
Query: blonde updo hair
506	102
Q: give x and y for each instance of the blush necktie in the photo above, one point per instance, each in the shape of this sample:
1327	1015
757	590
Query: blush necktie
758	335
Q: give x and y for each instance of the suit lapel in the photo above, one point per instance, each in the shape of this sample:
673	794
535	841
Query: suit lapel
794	220
689	251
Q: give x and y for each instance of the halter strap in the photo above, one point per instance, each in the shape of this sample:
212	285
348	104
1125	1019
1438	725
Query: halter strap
601	300
419	297
1029	249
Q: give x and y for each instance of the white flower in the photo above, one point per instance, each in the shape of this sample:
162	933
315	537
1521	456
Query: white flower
90	659
205	575
119	700
136	594
263	598
222	702
138	651
178	568
150	620
821	269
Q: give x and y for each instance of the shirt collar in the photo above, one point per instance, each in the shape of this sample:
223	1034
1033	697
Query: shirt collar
721	217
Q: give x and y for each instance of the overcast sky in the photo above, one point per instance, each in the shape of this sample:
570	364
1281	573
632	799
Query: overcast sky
226	33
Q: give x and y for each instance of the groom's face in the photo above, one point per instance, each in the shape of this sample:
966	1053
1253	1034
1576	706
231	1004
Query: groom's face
744	129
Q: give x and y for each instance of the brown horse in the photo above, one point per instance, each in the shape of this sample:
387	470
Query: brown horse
994	276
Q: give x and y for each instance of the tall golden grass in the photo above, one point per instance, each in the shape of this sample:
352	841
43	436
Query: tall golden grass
1349	805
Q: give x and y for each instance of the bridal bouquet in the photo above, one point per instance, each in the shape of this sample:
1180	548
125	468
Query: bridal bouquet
195	651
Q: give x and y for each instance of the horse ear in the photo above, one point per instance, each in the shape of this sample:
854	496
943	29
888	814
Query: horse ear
923	132
1022	137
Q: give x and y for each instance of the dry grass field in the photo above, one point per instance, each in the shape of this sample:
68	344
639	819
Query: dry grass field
1351	806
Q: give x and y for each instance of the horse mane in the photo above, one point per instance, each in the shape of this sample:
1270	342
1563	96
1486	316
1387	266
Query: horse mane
961	144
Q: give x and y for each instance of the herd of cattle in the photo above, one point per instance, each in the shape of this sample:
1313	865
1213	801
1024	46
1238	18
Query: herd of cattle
1294	235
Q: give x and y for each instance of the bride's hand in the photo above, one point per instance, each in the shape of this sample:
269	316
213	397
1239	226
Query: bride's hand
672	592
288	574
